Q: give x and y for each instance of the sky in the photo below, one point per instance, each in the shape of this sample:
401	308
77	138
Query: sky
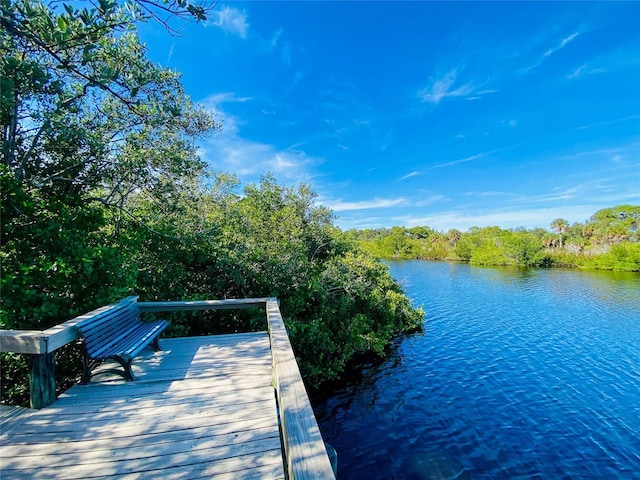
447	114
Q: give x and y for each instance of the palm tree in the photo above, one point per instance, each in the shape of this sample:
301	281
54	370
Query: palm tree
560	225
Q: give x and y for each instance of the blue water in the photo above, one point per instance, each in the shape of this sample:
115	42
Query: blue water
518	374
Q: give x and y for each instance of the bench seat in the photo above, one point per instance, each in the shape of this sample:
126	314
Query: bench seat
117	334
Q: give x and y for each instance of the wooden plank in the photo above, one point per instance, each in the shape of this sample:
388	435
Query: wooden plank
73	433
305	452
183	386
267	465
23	341
12	417
202	305
148	406
175	452
136	418
207	461
253	427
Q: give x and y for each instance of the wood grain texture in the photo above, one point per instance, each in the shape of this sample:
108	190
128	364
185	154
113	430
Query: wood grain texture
203	407
183	418
305	452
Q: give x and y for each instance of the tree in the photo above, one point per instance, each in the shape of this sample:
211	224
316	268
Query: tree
82	107
87	123
560	225
613	225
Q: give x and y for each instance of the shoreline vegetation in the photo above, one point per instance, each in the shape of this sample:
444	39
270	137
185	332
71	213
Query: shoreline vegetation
609	240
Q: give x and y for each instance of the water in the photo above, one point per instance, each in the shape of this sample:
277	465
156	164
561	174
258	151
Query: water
518	374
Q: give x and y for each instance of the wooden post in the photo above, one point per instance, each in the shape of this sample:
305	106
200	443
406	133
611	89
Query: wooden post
42	381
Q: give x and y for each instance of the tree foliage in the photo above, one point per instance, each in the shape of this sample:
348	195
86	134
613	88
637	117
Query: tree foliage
103	195
606	241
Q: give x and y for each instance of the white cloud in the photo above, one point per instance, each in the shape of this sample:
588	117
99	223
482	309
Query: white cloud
170	54
444	87
489	194
409	175
276	37
229	151
609	122
461	160
212	101
562	44
584	70
230	20
249	160
619	60
431	200
341	206
543	39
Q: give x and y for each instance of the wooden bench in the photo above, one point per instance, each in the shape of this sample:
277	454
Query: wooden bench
117	334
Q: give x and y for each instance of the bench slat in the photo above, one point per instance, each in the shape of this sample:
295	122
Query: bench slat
118	333
135	339
115	340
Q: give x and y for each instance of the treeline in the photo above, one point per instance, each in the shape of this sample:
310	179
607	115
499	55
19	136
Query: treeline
103	195
609	240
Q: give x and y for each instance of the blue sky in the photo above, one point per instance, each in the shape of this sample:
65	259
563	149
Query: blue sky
443	114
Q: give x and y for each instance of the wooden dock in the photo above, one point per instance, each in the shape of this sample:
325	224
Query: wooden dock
203	407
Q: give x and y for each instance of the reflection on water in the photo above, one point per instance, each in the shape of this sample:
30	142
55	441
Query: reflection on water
519	373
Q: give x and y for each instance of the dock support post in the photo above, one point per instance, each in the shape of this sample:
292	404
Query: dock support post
42	381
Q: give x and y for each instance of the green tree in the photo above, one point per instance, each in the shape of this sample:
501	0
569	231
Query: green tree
87	123
560	225
616	224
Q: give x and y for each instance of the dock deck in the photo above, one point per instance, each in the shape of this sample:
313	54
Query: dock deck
202	407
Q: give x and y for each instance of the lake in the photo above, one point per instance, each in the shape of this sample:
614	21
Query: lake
518	373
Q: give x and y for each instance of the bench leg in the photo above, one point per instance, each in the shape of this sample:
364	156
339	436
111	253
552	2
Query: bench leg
126	365
155	344
87	366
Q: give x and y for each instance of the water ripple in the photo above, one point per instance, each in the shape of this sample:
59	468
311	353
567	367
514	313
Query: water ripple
517	374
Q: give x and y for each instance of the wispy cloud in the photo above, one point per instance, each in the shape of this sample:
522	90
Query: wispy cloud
558	194
226	97
431	200
472	158
447	86
490	194
229	151
213	103
275	38
341	206
609	122
623	59
409	175
630	150
230	20
562	44
556	46
583	70
249	159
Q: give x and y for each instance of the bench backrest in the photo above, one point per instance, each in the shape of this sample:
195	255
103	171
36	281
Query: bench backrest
109	326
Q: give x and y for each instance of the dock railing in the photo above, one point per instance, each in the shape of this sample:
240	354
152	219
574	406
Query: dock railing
304	451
